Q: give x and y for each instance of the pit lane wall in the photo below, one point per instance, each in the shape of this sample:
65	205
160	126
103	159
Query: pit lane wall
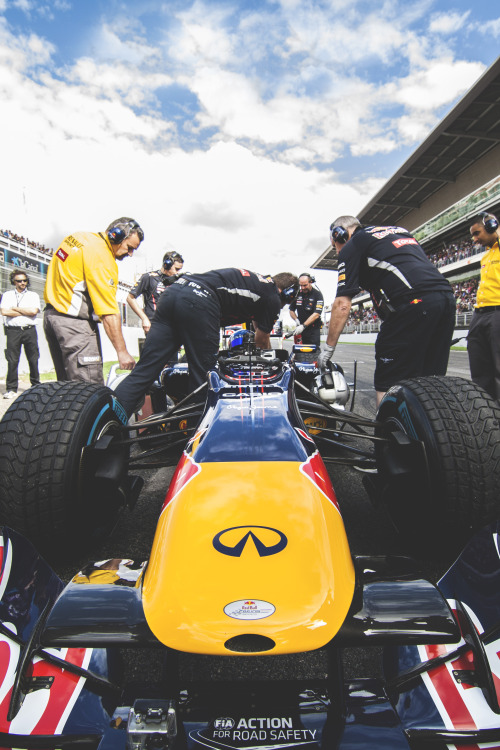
45	364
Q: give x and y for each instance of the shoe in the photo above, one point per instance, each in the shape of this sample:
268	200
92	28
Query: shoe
10	394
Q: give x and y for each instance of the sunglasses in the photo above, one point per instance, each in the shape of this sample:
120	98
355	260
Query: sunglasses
20	281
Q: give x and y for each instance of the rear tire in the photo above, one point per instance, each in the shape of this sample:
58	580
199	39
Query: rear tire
48	491
440	495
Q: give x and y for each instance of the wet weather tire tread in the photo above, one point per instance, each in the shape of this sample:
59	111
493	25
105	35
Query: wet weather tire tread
463	450
40	447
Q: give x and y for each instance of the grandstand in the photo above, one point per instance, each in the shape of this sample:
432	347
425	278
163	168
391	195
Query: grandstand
451	176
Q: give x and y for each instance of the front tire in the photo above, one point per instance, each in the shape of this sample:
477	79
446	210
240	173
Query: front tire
48	490
443	484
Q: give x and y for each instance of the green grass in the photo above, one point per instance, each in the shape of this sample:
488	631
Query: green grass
46	376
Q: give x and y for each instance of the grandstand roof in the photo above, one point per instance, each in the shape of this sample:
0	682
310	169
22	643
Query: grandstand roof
467	134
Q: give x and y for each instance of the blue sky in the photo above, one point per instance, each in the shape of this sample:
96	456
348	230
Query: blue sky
233	131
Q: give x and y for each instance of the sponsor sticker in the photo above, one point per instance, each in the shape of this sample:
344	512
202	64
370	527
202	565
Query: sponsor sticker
249	609
405	241
62	254
256	731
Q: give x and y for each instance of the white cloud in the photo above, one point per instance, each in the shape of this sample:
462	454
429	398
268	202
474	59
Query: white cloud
279	95
448	23
489	28
439	83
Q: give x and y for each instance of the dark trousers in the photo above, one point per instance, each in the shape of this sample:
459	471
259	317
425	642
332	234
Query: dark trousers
186	315
17	338
415	340
483	346
311	335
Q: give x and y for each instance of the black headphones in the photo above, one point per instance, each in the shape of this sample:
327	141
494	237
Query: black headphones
288	295
116	235
311	278
170	259
490	222
338	234
13	274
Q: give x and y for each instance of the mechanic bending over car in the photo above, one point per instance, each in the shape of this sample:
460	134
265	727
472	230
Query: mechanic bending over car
191	314
483	338
151	285
81	285
306	310
414	301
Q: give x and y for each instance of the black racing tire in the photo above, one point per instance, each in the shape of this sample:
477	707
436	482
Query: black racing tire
48	490
443	486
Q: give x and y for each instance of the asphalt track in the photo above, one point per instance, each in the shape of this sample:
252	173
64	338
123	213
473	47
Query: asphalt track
368	529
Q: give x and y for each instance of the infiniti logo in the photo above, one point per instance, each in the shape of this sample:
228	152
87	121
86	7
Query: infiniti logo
235	550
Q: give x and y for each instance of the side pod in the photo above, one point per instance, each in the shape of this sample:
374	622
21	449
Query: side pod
393	604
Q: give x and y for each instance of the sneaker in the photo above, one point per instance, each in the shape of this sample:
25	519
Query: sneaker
10	394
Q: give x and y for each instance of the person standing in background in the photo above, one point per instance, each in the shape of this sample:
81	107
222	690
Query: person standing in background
19	308
306	310
483	339
151	285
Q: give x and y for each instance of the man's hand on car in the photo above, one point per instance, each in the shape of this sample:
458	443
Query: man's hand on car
325	356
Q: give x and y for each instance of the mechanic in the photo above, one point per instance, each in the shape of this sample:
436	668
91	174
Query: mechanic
19	308
306	310
192	313
151	285
414	301
483	339
82	280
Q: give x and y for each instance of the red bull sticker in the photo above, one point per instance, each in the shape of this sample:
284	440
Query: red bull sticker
249	609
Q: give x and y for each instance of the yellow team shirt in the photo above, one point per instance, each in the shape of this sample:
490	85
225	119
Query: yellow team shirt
82	277
488	292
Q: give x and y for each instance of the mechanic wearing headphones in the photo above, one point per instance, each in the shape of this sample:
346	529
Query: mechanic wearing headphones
414	301
151	285
191	314
82	280
20	308
483	339
306	309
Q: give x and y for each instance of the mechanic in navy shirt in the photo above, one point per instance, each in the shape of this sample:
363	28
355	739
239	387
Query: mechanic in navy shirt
414	301
307	309
151	285
192	312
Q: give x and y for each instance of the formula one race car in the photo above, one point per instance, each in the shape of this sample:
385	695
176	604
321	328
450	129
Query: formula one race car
250	558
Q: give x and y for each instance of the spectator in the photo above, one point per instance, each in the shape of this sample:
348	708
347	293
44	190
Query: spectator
151	285
413	299
81	286
19	308
483	339
306	310
192	312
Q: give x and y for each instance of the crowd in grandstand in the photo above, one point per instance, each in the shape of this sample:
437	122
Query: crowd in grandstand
456	251
29	243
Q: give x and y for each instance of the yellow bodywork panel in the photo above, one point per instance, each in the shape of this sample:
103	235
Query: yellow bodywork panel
249	548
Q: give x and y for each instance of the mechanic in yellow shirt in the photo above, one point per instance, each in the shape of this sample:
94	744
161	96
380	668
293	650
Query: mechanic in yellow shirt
483	339
80	290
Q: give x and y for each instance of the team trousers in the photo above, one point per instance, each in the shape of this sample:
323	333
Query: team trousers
17	338
75	347
415	339
186	315
483	346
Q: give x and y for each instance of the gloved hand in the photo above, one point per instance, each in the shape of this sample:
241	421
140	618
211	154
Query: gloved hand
299	329
325	356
